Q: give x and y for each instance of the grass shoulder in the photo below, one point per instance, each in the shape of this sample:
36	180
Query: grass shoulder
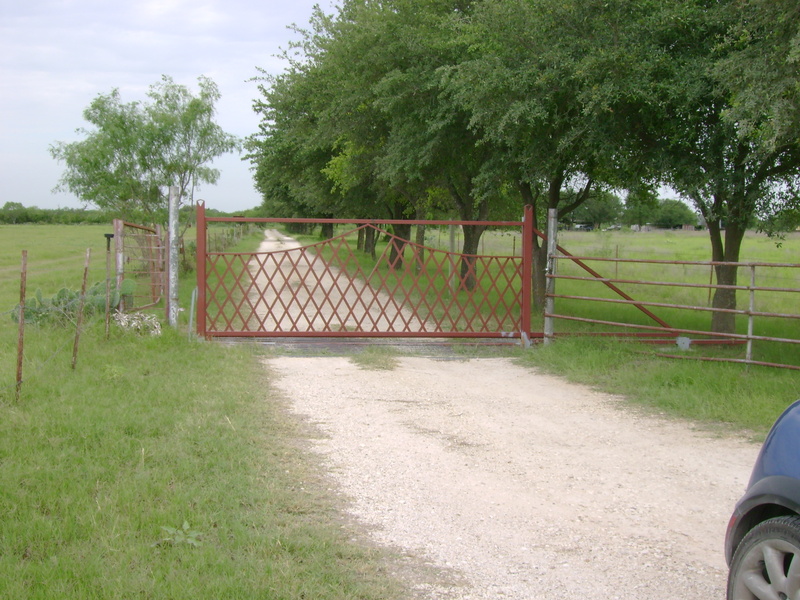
162	468
715	395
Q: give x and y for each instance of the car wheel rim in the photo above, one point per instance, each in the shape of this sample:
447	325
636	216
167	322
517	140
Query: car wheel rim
770	571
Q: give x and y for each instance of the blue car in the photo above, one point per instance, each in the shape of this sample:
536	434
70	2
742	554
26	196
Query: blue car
762	545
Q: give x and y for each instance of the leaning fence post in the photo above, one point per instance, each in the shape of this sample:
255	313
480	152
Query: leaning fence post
81	304
550	284
21	339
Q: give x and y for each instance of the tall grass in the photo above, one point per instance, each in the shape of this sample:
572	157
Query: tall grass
709	393
101	468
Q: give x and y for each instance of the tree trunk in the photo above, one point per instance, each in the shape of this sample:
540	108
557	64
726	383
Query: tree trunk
419	240
472	238
727	252
327	231
370	236
360	242
402	233
539	278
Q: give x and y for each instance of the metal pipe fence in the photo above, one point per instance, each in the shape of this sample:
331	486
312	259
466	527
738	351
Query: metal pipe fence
767	311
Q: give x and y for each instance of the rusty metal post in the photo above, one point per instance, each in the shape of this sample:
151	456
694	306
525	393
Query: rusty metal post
108	281
201	269
527	275
81	305
550	287
21	337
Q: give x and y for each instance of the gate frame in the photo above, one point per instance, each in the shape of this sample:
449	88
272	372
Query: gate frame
525	225
156	261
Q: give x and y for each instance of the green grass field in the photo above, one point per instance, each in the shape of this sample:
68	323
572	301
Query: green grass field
101	466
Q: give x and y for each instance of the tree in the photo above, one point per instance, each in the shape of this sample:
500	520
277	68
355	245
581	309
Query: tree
673	214
721	167
547	87
641	205
366	90
761	70
600	208
136	150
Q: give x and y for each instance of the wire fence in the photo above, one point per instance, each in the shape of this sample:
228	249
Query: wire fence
71	292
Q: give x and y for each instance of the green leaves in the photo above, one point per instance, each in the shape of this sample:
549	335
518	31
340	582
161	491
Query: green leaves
63	307
136	150
179	536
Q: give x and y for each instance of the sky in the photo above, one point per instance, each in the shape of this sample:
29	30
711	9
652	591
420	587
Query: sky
56	56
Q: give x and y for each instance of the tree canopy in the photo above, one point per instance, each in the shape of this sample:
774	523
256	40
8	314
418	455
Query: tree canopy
492	104
136	150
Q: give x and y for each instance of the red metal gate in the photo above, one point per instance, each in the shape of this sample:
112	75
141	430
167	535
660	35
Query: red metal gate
323	290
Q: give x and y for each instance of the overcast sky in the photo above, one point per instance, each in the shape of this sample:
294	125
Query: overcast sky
56	56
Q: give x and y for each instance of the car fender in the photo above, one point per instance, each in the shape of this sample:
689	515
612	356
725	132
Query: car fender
768	498
780	453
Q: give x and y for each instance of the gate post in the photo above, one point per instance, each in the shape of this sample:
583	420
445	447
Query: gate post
550	288
527	275
201	269
119	258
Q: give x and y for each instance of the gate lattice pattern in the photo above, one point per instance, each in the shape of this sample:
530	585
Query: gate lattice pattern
322	290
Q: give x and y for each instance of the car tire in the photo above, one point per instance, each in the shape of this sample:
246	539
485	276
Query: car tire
766	564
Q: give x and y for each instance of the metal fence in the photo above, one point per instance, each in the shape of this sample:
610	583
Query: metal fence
141	264
321	290
651	296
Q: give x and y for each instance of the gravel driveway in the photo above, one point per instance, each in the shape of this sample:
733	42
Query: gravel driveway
504	483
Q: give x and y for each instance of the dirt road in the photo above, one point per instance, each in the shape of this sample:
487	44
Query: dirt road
504	483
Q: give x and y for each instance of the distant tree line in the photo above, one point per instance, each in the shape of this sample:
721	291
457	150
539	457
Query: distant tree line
14	213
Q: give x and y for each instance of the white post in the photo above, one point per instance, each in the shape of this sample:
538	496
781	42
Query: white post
172	268
751	310
550	284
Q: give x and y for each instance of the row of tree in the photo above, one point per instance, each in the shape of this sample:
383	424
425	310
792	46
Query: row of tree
404	107
13	213
604	208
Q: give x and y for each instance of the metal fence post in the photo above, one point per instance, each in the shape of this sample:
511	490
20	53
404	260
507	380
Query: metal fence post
201	269
108	237
527	274
119	256
750	316
550	286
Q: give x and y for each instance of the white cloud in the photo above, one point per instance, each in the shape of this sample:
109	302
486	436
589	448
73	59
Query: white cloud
57	55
